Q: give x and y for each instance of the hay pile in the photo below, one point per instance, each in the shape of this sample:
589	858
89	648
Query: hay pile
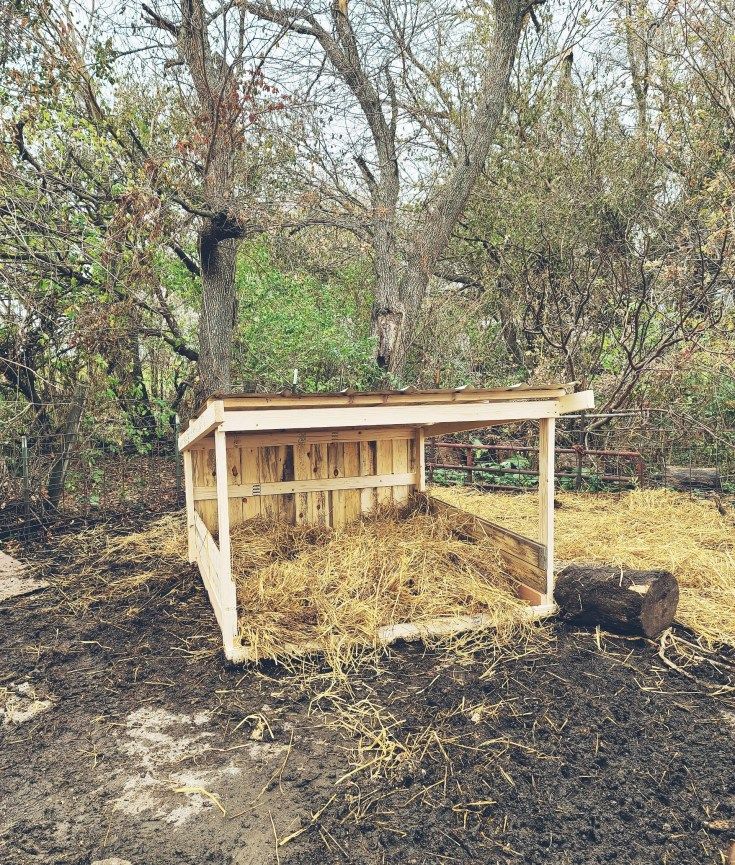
643	529
304	589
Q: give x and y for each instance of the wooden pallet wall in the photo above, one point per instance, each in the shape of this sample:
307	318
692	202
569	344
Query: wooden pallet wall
279	476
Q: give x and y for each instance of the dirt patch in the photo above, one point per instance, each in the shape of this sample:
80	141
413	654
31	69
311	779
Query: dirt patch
570	750
14	580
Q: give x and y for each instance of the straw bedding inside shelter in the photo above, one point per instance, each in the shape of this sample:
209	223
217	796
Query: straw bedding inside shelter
310	589
692	537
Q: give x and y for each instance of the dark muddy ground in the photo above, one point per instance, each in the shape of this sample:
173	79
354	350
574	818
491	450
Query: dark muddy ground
125	737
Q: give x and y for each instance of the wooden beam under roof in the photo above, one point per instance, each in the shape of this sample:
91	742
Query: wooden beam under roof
430	416
250	401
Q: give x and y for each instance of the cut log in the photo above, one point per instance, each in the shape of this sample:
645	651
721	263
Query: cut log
688	478
641	603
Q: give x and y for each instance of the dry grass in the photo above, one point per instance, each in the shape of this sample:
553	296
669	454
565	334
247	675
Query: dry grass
303	589
642	529
93	565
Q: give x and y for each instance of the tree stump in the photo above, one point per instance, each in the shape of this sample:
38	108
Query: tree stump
640	603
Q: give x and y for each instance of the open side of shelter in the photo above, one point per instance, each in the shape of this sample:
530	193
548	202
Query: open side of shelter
328	459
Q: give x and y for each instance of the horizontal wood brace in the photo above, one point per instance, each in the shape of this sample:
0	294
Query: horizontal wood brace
207	421
482	414
309	486
319	436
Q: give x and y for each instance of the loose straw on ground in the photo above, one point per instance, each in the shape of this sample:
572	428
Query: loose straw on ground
684	534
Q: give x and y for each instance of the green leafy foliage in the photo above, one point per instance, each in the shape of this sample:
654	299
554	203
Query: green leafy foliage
291	320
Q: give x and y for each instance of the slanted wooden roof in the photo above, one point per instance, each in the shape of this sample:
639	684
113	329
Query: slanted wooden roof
439	411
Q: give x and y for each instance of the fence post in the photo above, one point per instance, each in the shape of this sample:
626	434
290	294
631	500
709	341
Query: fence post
26	483
177	459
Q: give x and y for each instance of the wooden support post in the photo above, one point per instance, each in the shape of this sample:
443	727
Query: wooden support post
189	494
547	435
227	584
420	459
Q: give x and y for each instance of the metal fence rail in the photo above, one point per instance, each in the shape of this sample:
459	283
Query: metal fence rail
586	473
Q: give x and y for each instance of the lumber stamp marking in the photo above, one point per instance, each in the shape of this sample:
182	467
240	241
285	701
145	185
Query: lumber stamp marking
640	603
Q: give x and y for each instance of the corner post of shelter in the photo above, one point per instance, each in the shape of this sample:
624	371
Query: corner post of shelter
189	493
227	584
547	436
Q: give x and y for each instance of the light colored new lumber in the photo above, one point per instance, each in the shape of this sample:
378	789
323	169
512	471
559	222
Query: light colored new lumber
278	401
223	501
310	486
483	414
320	436
208	420
384	469
293	437
400	467
579	401
221	591
189	495
547	433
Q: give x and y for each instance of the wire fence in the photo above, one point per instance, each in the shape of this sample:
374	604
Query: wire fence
51	481
58	479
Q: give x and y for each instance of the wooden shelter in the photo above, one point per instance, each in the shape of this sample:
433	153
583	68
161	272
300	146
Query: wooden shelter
329	458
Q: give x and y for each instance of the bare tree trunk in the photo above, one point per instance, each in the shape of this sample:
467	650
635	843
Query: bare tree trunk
401	280
394	322
219	310
57	473
216	81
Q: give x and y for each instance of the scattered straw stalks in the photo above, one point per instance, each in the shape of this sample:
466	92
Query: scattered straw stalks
687	535
302	589
93	566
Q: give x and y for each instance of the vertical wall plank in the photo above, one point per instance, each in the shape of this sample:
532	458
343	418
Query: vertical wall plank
233	478
318	502
204	476
287	504
384	466
302	472
189	493
400	466
226	585
336	469
351	498
419	465
368	497
250	474
547	435
272	465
